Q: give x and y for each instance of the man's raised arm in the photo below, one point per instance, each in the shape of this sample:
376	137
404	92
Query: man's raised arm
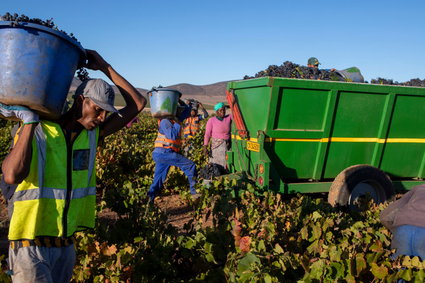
135	102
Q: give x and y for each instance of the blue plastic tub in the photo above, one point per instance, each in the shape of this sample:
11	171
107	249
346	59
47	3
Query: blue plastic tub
163	102
37	65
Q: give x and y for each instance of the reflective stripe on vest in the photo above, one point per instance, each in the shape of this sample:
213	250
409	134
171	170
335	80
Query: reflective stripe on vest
191	126
39	201
52	193
162	141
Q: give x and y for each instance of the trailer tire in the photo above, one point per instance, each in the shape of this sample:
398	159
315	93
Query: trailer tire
356	182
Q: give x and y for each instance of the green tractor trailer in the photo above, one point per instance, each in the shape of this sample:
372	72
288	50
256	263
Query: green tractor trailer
348	139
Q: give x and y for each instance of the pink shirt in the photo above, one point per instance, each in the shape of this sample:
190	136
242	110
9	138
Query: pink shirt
218	129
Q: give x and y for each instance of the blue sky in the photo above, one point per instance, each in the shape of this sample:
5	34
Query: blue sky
202	42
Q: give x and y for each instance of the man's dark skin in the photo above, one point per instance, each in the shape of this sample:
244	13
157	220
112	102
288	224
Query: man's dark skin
84	114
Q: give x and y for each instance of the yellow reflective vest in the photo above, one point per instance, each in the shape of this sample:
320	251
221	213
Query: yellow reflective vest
58	196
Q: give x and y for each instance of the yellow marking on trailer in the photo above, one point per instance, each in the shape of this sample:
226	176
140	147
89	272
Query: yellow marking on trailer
356	140
253	146
406	140
336	139
292	139
241	139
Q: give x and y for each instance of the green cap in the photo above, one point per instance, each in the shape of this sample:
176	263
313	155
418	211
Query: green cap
313	61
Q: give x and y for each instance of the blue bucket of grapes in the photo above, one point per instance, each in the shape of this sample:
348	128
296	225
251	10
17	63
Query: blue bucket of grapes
37	65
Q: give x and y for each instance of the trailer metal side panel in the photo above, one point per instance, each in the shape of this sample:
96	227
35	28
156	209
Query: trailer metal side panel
308	131
405	145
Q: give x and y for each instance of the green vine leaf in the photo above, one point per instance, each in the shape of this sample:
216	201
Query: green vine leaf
379	272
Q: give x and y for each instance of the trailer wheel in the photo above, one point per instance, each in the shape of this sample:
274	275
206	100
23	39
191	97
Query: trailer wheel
360	182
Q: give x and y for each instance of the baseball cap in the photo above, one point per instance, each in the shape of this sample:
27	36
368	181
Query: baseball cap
313	61
100	92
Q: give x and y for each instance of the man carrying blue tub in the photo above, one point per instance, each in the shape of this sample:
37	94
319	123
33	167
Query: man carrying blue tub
53	165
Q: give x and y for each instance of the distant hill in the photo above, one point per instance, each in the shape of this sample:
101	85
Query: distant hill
207	94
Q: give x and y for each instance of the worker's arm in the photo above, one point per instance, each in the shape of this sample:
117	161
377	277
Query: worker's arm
135	102
205	113
207	136
208	132
16	165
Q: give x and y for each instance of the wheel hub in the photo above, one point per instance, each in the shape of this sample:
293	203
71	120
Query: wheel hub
363	190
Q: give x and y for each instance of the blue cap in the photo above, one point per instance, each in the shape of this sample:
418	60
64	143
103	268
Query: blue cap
218	106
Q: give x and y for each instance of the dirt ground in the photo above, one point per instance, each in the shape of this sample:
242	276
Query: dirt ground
179	211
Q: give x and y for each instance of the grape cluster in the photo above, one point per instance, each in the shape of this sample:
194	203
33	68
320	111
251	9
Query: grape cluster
212	170
413	82
382	81
22	18
25	19
292	70
82	73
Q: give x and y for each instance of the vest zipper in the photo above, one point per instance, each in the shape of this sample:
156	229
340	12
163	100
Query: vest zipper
68	186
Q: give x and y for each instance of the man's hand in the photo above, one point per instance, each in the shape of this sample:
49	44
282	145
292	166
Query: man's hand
21	112
95	61
181	102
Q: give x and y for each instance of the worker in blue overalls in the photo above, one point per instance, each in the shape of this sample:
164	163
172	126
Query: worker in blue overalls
166	153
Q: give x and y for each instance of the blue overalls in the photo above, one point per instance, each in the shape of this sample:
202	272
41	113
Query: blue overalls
166	157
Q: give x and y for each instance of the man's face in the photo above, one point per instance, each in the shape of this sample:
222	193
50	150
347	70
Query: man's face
91	114
193	113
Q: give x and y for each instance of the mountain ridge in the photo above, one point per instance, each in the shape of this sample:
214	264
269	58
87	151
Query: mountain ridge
209	94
